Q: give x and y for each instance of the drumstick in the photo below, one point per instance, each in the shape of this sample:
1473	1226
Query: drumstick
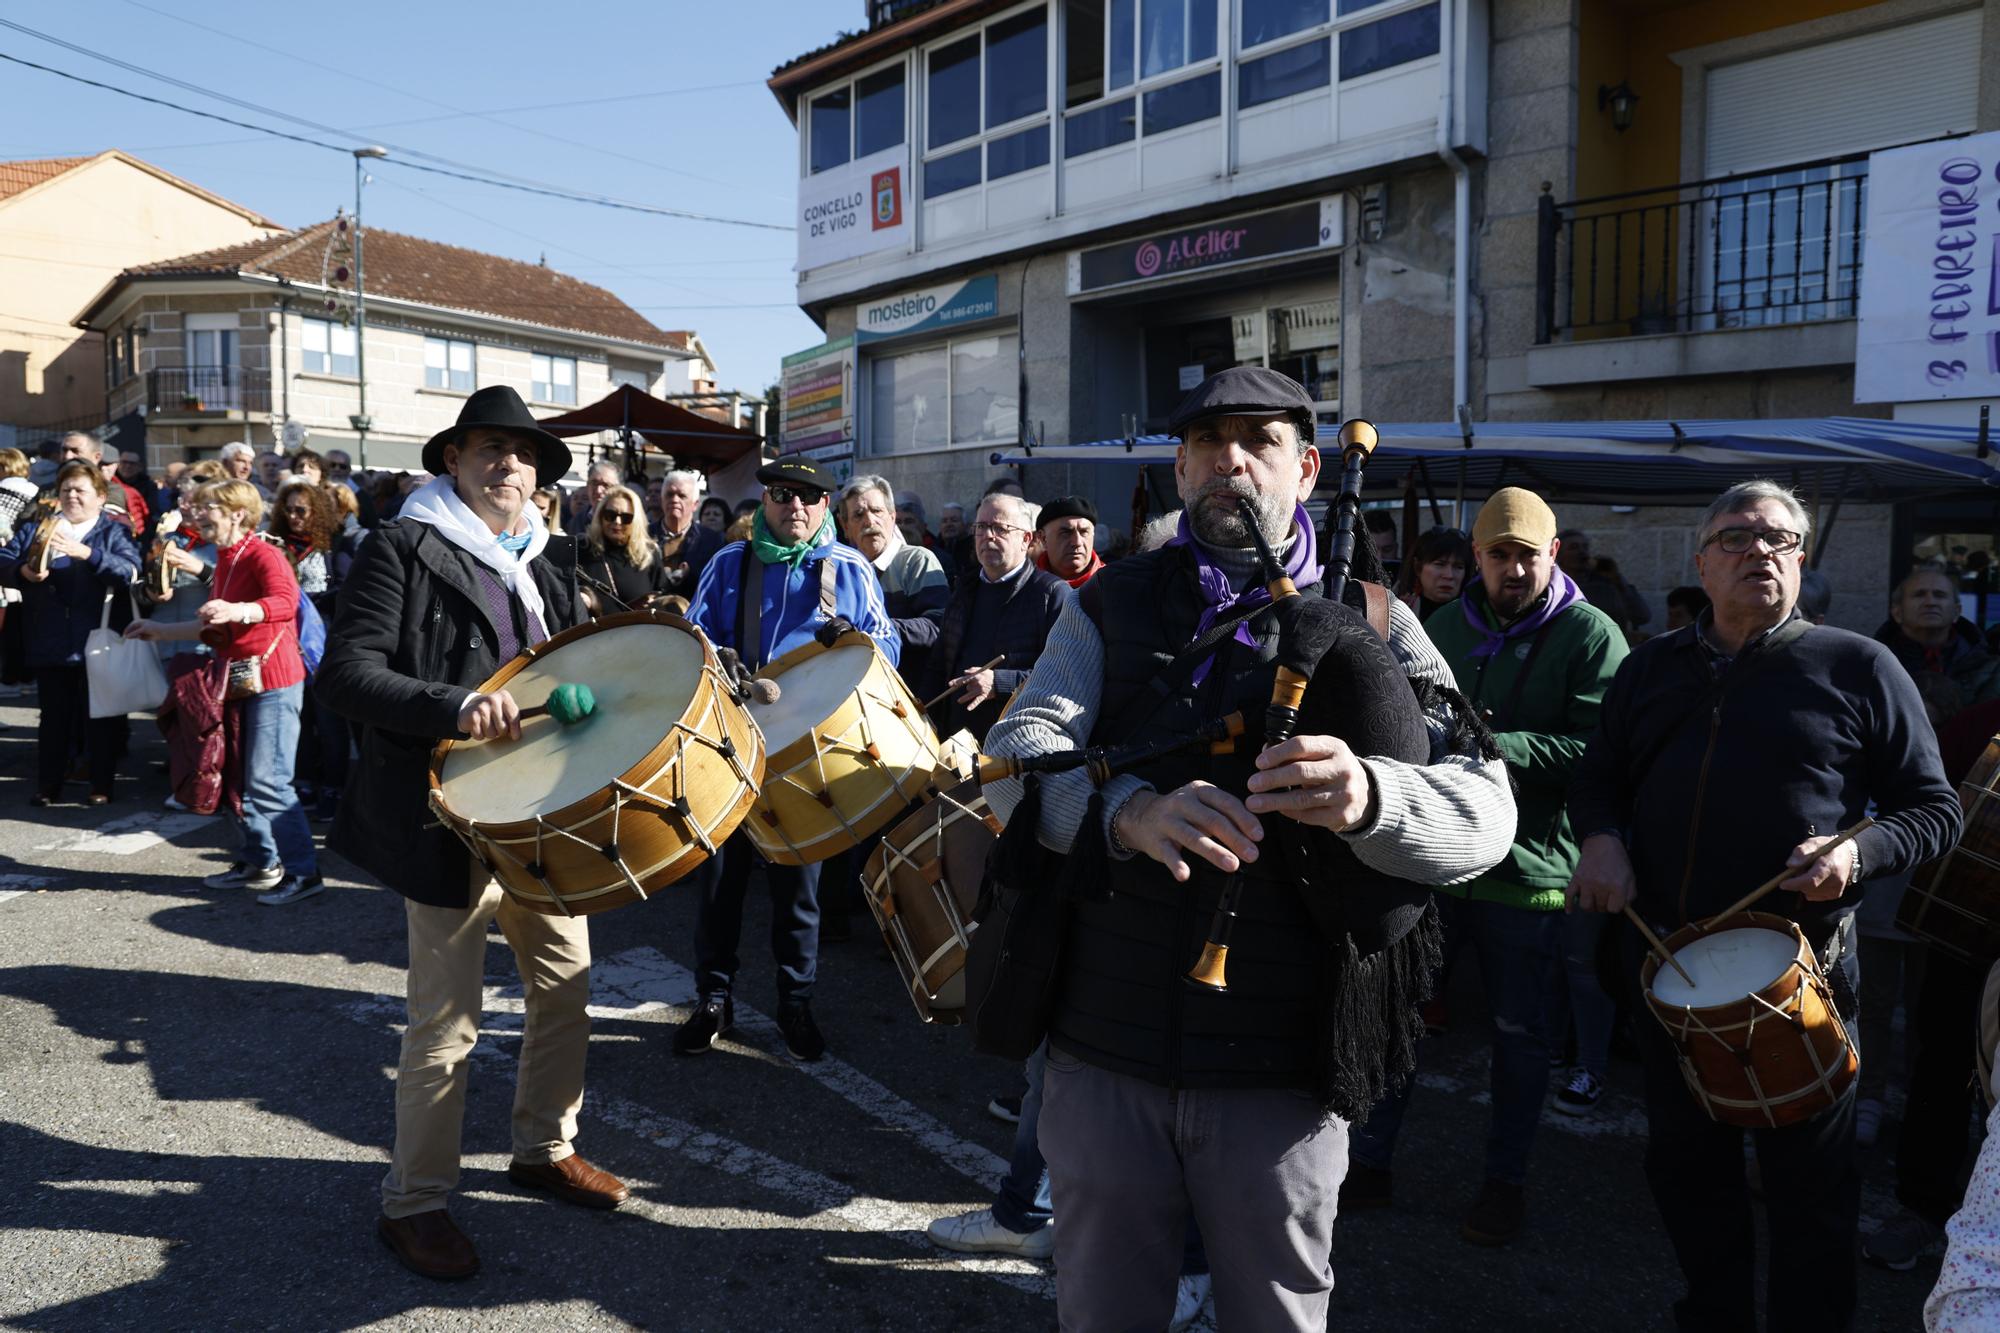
948	692
568	703
1743	904
1654	942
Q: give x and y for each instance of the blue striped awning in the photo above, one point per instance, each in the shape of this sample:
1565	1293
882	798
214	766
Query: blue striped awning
1615	462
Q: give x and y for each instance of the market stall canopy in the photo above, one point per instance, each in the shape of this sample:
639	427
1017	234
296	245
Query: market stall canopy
1626	462
667	427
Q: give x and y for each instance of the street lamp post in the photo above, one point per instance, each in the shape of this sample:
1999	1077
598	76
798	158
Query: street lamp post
360	420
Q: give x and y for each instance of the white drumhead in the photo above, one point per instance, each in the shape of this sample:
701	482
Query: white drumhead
810	692
1726	967
643	676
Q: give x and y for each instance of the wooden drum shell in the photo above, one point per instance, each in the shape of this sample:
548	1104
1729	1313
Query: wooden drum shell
1772	1058
629	837
827	791
921	884
1954	906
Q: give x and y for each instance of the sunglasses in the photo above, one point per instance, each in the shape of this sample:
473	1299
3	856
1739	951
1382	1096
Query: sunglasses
620	519
805	495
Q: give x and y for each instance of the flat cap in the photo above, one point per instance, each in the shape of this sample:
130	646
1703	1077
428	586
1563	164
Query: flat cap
1243	391
1068	506
797	472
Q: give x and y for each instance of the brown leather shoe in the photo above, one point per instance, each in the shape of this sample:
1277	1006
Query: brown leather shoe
572	1180
429	1244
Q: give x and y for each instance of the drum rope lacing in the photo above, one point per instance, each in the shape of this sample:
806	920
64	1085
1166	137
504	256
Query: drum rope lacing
1792	1015
767	815
961	936
623	791
1928	896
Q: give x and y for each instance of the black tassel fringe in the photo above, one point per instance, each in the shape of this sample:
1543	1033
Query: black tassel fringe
1371	1019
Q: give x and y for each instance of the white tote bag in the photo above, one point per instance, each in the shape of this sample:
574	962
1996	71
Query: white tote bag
125	674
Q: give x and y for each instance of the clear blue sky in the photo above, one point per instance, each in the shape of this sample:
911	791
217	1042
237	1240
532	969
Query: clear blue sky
695	129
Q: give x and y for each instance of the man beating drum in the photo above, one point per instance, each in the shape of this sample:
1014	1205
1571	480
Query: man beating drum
1728	749
465	578
802	585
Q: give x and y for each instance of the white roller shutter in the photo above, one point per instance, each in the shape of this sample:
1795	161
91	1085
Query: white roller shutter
1897	85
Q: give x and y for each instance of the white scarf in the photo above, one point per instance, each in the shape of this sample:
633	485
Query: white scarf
78	532
437	504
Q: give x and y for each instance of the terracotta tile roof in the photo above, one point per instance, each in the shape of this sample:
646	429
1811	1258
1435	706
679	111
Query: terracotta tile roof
18	176
433	273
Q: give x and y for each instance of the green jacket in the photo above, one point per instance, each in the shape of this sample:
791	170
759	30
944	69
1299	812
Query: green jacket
1542	739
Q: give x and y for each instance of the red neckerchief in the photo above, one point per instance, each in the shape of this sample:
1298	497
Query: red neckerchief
1089	570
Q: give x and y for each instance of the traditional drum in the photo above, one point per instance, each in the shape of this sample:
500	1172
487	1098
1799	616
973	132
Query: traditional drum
587	816
921	883
849	750
1760	1042
1957	908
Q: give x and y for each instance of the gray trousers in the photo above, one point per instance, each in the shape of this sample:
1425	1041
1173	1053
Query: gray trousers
1127	1160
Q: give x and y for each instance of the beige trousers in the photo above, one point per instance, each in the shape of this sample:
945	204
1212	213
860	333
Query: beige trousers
447	975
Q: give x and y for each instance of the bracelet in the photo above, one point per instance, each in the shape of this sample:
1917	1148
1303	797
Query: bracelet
1116	843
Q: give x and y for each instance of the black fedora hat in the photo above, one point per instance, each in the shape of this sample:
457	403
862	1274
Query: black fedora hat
499	407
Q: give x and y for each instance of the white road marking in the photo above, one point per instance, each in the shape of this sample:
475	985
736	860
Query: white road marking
643	982
140	1189
125	835
15	885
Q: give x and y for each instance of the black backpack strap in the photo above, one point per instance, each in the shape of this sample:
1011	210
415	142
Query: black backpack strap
750	608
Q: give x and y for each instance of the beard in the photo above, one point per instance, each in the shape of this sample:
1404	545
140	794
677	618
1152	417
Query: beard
1222	524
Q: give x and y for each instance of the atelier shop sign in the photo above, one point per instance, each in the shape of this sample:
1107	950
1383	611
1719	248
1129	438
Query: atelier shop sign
1293	229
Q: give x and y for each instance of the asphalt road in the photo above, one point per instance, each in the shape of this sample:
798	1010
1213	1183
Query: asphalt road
195	1109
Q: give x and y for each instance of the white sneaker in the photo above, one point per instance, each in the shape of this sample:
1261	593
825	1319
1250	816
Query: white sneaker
1189	1296
1867	1122
978	1233
241	876
294	889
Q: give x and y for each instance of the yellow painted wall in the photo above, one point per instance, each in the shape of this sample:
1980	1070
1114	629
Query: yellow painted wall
59	245
1614	44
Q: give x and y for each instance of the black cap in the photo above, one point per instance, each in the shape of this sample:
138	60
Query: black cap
499	407
797	472
1068	506
1245	391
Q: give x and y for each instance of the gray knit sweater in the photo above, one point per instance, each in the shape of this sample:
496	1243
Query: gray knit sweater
1439	823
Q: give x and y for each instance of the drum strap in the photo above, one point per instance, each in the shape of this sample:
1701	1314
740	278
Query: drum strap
750	603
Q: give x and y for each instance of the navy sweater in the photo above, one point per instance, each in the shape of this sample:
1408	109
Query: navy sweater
1803	738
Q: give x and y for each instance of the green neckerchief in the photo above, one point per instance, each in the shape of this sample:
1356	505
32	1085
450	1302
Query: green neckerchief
771	553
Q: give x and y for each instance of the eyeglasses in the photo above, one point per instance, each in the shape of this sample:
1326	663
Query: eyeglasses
995	529
620	519
1738	540
805	495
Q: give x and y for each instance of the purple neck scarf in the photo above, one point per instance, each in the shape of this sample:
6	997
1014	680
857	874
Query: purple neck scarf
1219	602
1562	594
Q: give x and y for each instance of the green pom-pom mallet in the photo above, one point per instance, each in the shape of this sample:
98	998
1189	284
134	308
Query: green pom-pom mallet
569	703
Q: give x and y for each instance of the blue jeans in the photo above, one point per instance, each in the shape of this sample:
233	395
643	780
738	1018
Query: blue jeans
273	824
1023	1201
1517	955
1578	995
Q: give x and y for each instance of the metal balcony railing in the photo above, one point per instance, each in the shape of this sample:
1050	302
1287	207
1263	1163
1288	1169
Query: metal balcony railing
208	389
1773	247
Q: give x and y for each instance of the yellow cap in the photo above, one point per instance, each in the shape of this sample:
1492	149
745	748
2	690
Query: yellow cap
1511	514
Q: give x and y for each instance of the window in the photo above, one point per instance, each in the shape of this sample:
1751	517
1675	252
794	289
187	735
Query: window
1111	45
448	364
965	392
211	340
831	129
326	348
855	120
992	80
552	379
1291	44
1388	42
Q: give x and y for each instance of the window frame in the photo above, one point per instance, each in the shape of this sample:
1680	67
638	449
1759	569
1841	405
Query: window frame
535	385
1141	84
891	351
331	369
1327	31
925	153
472	354
852	84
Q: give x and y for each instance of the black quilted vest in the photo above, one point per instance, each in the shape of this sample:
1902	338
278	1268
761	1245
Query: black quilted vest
1123	1003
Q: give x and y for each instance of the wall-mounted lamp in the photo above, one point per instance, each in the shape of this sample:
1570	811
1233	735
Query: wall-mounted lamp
1619	101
